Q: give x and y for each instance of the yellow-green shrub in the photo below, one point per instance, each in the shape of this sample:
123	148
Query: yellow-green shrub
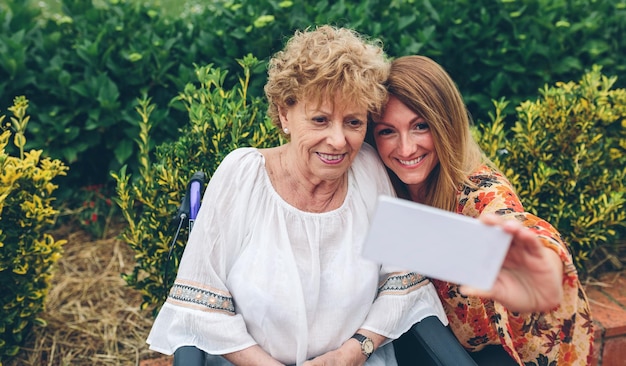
28	252
220	120
566	156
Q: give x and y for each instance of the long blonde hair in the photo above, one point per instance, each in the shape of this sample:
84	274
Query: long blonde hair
427	89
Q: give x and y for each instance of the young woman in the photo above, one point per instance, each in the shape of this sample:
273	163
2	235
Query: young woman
537	312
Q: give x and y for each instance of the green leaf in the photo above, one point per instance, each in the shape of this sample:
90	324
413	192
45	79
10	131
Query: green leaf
567	64
123	151
108	93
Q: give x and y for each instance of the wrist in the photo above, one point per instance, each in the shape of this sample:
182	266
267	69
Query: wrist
366	345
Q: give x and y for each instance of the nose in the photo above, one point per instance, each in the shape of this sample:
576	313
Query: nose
406	146
337	137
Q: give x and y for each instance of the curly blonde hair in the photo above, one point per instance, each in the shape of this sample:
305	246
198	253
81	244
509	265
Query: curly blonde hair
326	62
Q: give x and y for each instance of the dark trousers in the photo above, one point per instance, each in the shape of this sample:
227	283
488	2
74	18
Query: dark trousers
409	352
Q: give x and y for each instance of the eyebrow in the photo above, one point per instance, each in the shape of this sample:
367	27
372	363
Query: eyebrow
326	112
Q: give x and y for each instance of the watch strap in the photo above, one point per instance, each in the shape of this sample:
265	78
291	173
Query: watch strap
367	345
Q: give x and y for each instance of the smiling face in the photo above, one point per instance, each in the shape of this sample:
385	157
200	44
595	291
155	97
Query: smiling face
405	144
325	137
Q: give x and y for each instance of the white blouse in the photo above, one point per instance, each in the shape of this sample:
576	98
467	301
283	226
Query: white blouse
256	270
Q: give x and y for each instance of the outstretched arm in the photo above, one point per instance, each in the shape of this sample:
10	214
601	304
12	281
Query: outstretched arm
531	276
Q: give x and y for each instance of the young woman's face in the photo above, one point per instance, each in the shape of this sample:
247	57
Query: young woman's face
405	144
326	137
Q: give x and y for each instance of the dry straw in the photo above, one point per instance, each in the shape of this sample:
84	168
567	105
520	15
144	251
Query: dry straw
93	317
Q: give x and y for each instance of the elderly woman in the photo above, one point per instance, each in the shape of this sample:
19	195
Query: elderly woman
537	312
272	273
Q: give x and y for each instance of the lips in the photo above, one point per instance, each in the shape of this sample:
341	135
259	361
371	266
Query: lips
331	158
412	161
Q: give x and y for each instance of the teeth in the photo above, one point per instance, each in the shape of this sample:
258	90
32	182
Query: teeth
331	157
411	162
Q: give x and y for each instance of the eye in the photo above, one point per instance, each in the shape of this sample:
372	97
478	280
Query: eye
421	126
384	131
319	119
354	123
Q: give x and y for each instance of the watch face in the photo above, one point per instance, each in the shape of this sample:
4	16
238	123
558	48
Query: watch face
368	346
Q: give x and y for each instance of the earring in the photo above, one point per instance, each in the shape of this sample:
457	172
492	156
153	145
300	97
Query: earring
286	131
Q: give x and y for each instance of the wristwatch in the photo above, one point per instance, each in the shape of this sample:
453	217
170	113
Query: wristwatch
367	346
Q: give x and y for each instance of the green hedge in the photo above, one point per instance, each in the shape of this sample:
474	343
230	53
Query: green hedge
84	70
83	74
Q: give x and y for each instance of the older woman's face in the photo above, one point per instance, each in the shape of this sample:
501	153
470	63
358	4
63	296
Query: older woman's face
325	136
405	143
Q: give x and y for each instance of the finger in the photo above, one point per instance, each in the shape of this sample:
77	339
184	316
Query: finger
474	292
509	225
490	219
520	234
524	238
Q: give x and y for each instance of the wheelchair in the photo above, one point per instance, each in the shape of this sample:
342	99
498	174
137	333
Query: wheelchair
428	341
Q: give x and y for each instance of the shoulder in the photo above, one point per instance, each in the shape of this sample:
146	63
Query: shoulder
487	190
240	159
486	177
237	178
242	154
368	174
239	167
367	159
367	165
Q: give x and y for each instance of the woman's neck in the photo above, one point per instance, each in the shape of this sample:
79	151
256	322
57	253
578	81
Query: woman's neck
303	192
417	192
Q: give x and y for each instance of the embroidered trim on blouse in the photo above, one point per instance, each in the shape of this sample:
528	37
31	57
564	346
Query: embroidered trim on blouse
191	295
402	283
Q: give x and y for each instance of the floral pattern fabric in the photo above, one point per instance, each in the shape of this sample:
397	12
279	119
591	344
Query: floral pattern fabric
563	336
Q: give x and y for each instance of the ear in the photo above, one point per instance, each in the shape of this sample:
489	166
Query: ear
282	115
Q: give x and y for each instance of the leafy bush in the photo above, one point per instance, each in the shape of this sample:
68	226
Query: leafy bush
84	69
28	252
220	120
491	48
510	48
566	156
83	72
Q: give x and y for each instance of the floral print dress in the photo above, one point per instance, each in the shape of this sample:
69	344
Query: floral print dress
563	336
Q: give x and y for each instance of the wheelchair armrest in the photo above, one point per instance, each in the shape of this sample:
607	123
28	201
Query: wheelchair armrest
188	356
441	345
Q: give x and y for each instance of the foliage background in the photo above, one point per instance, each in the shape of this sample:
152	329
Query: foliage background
565	156
83	64
109	87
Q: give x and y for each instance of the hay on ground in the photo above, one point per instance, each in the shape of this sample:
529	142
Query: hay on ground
93	317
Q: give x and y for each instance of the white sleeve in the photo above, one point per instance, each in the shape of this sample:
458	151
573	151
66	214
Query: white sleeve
199	310
404	298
